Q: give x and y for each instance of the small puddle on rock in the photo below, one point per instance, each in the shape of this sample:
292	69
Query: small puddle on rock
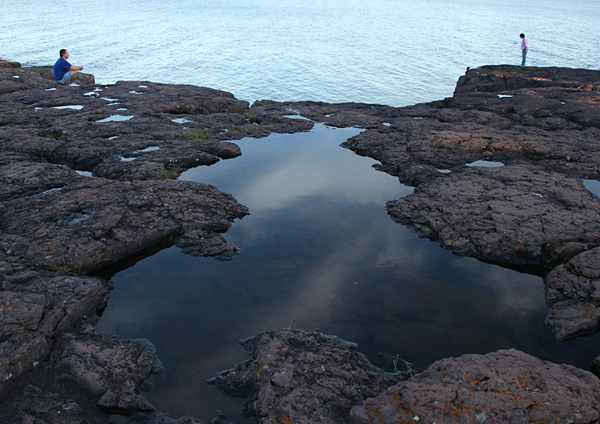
147	149
593	186
297	117
72	107
116	118
96	92
485	164
181	120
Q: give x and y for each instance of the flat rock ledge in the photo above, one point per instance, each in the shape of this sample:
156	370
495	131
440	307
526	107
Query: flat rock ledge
302	377
507	386
296	376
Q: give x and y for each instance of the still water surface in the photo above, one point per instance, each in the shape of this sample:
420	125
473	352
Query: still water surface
320	251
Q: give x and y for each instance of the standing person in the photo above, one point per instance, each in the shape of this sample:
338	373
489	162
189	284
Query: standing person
64	72
524	48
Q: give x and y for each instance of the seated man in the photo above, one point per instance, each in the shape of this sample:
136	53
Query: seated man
64	72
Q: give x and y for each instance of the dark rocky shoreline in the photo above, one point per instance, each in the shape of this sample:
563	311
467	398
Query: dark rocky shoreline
80	192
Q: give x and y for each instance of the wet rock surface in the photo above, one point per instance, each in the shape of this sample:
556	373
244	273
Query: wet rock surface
94	222
85	370
302	377
573	291
513	215
36	307
87	178
507	386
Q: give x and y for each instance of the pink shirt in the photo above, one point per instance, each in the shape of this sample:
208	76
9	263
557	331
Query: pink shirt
524	44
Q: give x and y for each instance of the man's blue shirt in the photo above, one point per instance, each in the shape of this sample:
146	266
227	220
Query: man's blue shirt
61	67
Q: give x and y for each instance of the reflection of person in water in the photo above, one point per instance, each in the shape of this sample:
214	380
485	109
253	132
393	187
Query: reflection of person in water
64	72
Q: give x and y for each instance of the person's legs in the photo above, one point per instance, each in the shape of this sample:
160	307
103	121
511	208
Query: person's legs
73	76
66	79
524	57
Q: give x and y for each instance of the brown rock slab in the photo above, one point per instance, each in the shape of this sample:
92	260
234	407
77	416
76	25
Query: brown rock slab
302	377
507	386
513	214
572	318
7	64
573	292
94	222
579	278
113	370
34	308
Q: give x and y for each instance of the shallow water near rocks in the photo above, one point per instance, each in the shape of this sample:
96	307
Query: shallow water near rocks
320	252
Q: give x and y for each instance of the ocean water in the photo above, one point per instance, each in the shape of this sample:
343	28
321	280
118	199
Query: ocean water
395	52
318	250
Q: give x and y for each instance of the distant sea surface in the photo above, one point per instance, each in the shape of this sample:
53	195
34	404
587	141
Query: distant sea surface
394	52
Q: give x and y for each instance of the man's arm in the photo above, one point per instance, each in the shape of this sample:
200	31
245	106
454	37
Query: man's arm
76	68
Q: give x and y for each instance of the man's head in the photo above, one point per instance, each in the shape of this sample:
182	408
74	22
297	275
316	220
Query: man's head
522	35
64	53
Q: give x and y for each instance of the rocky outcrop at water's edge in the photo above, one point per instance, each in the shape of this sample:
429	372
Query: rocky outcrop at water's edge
88	178
507	386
